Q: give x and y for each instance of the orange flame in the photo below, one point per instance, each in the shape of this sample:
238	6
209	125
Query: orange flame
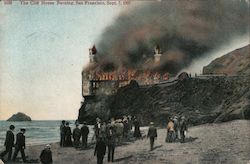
143	77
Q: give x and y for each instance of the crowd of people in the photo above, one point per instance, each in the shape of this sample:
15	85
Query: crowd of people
66	135
176	129
107	135
111	133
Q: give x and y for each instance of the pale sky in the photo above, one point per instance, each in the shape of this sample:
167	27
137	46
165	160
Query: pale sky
42	52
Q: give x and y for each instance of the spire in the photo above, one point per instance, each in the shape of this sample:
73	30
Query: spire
92	53
157	55
157	49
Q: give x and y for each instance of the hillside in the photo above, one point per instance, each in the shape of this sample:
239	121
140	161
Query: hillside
236	62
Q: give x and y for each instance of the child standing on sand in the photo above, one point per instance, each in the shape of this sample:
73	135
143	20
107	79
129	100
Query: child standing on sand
46	155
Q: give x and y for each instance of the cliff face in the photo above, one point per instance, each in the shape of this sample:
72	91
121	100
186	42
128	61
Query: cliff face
19	117
234	63
201	100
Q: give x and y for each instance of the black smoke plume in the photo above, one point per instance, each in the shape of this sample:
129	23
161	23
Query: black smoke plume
184	29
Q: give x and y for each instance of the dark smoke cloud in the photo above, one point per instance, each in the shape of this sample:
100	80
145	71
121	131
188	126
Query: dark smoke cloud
185	30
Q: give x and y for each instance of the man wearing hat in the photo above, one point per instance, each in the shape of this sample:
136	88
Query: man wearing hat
100	150
111	142
9	143
77	136
183	128
84	133
62	133
152	134
137	131
125	128
20	145
46	155
97	127
176	128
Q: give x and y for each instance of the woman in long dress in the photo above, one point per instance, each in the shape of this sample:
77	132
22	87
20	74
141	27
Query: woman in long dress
68	134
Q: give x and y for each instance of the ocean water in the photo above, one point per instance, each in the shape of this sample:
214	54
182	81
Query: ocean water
37	132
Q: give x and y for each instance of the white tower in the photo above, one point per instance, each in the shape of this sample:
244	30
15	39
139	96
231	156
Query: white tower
157	55
92	53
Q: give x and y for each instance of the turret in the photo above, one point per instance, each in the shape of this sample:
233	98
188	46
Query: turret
157	55
92	54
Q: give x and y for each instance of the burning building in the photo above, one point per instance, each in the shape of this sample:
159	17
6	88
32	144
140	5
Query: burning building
185	31
97	81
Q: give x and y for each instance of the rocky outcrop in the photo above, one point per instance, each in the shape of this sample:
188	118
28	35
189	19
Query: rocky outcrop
201	99
19	117
236	62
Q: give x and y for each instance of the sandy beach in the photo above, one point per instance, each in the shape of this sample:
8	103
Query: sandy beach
210	143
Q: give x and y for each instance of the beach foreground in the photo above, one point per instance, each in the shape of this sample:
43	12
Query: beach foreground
210	143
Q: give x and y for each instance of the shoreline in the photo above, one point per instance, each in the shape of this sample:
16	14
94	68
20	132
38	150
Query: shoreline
209	143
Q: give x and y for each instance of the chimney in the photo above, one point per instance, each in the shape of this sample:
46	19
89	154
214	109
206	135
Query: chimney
157	55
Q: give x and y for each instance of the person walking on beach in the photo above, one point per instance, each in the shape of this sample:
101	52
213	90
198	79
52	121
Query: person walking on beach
84	133
97	127
62	133
46	155
111	143
68	134
20	145
152	135
130	123
119	130
125	128
9	143
170	131
137	132
183	128
176	128
76	136
100	150
103	130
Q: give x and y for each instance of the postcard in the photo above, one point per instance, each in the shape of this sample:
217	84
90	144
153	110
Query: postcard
125	81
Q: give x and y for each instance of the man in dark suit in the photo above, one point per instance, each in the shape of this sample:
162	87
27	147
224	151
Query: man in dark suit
9	143
111	143
100	150
20	145
152	134
183	128
84	133
62	133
